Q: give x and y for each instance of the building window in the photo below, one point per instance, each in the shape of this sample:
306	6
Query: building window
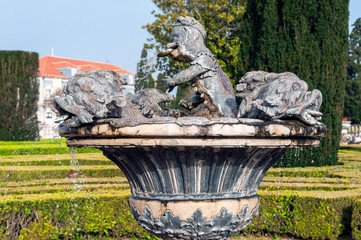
68	72
130	79
48	82
49	115
47	93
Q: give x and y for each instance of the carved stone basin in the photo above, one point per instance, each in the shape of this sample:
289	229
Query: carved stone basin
194	178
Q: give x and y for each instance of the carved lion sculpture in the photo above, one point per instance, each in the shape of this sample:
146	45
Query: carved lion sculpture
214	93
274	96
98	94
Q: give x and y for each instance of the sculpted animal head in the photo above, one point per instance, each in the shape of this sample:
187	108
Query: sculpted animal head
285	95
187	37
89	95
147	101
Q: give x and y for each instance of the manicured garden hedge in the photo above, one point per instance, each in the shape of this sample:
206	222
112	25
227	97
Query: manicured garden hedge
308	38
57	146
58	217
303	216
40	199
356	220
19	95
67	216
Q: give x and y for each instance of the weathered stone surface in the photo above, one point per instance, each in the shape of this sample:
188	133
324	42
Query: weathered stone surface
170	226
90	94
192	172
185	209
193	177
187	142
98	94
272	96
196	127
147	101
214	92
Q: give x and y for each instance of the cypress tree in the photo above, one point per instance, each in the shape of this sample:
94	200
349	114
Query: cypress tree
353	84
19	88
144	77
309	38
160	85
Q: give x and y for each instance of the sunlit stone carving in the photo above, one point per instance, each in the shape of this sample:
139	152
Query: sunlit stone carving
192	177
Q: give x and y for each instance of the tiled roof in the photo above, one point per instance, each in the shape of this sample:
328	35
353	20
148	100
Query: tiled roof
48	66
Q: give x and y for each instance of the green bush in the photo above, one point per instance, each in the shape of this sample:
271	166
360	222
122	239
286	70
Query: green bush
70	218
39	148
54	162
297	173
356	220
41	229
303	216
309	38
19	89
313	202
26	174
67	217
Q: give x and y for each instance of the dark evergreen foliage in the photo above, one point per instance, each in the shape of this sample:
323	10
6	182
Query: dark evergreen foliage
309	38
144	77
160	85
19	89
353	84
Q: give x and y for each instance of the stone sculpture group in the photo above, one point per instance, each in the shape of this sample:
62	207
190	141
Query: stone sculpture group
97	94
194	173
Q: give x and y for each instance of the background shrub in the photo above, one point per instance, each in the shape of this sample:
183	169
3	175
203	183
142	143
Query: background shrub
310	39
19	90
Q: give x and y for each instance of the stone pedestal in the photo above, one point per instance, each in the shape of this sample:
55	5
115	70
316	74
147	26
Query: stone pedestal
194	178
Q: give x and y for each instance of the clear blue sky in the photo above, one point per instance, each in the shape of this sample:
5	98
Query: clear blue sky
355	12
102	31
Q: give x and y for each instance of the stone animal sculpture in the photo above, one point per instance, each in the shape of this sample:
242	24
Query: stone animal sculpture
147	101
214	92
275	96
98	94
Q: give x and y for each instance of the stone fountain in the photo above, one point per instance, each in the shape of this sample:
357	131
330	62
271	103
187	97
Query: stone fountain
194	173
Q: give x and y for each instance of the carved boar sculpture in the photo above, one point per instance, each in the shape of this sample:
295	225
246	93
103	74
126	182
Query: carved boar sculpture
214	92
98	94
274	96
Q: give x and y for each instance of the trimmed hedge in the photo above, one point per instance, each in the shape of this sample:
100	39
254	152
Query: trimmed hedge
40	149
63	188
66	162
303	216
308	38
69	218
320	173
63	181
314	203
356	220
19	89
28	173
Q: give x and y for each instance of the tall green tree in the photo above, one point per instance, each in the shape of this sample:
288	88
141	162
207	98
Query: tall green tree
160	85
19	89
221	19
309	38
144	77
352	108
